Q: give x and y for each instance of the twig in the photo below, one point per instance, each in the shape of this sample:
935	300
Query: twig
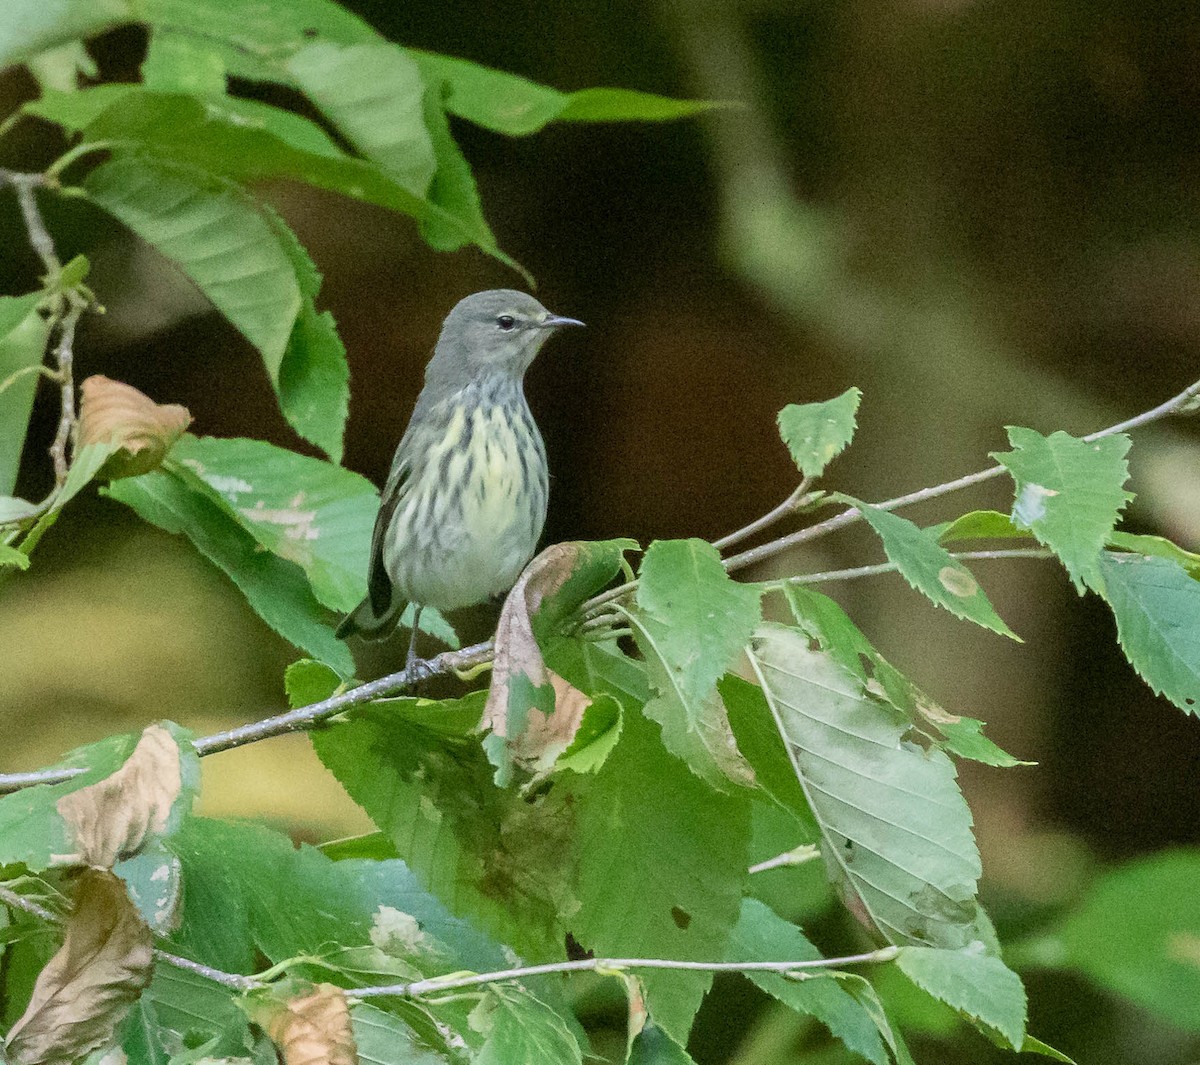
767	520
888	567
234	980
437	984
64	357
801	855
39	235
305	717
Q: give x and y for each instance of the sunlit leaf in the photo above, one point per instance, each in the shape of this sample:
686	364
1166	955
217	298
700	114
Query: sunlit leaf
176	62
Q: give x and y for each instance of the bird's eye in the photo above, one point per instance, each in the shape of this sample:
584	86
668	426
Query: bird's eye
506	322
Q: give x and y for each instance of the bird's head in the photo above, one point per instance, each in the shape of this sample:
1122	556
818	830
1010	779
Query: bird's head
501	329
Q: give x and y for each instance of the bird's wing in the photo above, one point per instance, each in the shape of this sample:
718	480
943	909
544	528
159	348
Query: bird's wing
379	584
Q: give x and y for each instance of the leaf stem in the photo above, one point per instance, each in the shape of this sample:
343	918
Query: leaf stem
785	508
801	855
418	988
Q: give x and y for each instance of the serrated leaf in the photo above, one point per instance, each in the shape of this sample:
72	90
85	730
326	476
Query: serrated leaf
453	186
383	1039
762	935
691	623
1157	607
644	812
23	336
831	627
1159	547
308	682
276	589
217	237
931	569
1069	494
86	989
10	556
141	802
816	433
979	986
486	852
652	1046
896	832
520	1027
302	509
507	103
374	95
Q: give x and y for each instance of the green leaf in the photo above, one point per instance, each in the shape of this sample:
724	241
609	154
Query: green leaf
1069	494
314	380
276	589
978	525
309	682
596	563
177	63
816	433
507	103
831	627
59	68
691	623
196	1010
521	1028
598	733
1137	933
641	815
652	1046
1158	546
302	509
10	556
374	95
896	832
217	236
453	186
1157	607
979	986
383	1039
23	336
33	26
762	935
931	569
487	853
1033	1045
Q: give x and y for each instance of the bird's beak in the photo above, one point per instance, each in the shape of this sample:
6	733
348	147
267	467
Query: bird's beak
553	321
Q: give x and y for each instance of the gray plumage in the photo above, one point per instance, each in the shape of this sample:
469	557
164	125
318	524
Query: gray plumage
465	502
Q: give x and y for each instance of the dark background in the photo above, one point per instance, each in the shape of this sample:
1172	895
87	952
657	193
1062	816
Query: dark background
980	213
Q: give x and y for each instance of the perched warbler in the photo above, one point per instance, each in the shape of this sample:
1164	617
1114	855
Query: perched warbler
465	501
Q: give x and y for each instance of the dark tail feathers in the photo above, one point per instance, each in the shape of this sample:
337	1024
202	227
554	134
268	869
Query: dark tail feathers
363	621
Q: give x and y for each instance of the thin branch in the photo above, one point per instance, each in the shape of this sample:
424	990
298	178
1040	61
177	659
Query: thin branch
64	357
801	855
438	984
888	567
39	235
305	717
785	508
1176	404
234	980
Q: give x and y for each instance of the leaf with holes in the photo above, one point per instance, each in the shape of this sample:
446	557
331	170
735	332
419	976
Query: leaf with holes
896	831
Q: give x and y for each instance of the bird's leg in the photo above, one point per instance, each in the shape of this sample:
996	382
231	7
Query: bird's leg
411	660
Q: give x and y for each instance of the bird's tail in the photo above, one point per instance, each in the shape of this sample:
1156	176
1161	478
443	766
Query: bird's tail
363	621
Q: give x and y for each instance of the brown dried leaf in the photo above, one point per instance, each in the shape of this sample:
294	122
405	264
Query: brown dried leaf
111	819
111	412
87	987
314	1029
544	736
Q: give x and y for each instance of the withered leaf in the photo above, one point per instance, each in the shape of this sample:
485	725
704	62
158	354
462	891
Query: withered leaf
111	412
534	738
87	987
112	818
314	1029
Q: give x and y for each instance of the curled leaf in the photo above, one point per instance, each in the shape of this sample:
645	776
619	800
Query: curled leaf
532	713
112	818
87	987
314	1029
111	412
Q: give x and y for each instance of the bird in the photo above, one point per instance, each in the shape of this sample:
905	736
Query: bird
464	505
